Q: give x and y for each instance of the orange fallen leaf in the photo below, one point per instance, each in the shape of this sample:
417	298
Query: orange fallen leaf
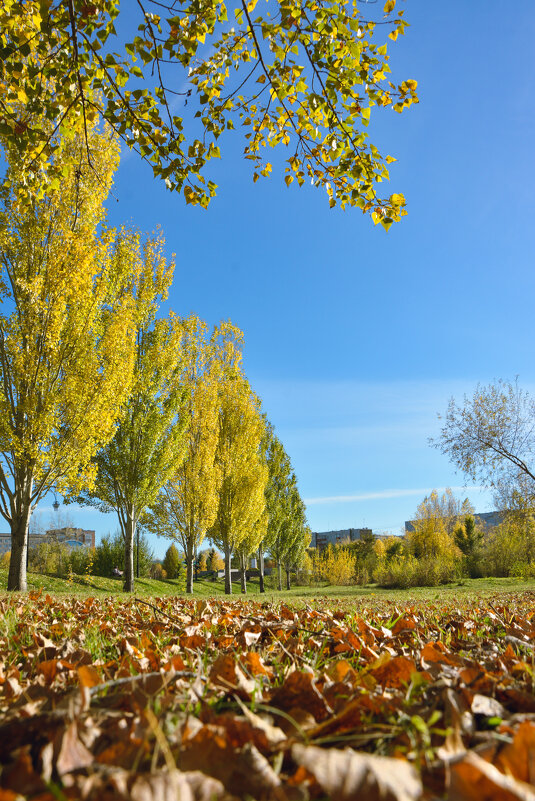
88	676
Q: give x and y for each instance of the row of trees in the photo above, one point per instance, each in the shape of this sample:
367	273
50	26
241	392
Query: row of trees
112	406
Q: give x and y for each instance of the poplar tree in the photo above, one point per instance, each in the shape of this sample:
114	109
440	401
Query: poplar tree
243	472
248	546
67	331
279	476
286	533
149	440
291	528
187	505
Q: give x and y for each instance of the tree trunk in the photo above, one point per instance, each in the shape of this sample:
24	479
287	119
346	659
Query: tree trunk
228	575
288	586
190	557
20	523
129	534
243	574
19	553
261	568
279	575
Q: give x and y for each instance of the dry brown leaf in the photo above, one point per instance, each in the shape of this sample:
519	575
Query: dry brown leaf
300	692
474	779
274	734
226	673
88	676
397	672
518	757
347	775
175	786
254	664
71	752
403	624
434	653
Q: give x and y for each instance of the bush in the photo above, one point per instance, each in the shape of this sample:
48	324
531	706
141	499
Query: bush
80	560
335	565
407	571
50	558
523	570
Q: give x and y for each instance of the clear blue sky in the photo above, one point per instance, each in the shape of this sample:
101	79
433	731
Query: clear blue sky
355	338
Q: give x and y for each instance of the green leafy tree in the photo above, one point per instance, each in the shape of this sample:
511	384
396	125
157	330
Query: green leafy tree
214	560
171	562
248	546
295	554
109	554
149	440
243	472
303	75
276	493
187	505
67	337
292	529
468	539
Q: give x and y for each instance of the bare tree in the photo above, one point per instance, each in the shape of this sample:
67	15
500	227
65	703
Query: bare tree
491	437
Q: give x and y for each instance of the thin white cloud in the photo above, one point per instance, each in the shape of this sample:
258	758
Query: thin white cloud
382	494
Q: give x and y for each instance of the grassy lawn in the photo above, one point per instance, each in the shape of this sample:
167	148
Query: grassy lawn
205	588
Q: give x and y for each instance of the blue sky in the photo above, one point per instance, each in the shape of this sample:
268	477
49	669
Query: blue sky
355	338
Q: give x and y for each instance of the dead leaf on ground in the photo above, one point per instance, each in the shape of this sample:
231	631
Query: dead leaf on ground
348	775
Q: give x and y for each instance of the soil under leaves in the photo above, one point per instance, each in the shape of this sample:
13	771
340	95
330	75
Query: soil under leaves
163	699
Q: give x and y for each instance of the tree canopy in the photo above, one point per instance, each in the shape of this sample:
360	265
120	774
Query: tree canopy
305	75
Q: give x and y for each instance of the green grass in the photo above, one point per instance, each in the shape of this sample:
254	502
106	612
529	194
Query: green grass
205	588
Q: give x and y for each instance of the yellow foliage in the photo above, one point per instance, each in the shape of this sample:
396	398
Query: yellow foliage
241	508
335	565
68	330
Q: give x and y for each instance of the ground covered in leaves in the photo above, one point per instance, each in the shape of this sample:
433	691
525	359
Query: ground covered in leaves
162	699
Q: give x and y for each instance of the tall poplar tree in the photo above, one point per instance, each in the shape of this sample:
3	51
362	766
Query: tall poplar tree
149	440
187	505
291	528
243	472
67	331
279	477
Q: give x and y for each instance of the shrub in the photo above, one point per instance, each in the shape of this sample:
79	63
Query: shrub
51	558
407	571
337	566
79	559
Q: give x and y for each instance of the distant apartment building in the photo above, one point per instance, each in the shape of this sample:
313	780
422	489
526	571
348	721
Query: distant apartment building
72	537
483	519
320	539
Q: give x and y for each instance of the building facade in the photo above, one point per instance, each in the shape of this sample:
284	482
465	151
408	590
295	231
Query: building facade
72	537
320	539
